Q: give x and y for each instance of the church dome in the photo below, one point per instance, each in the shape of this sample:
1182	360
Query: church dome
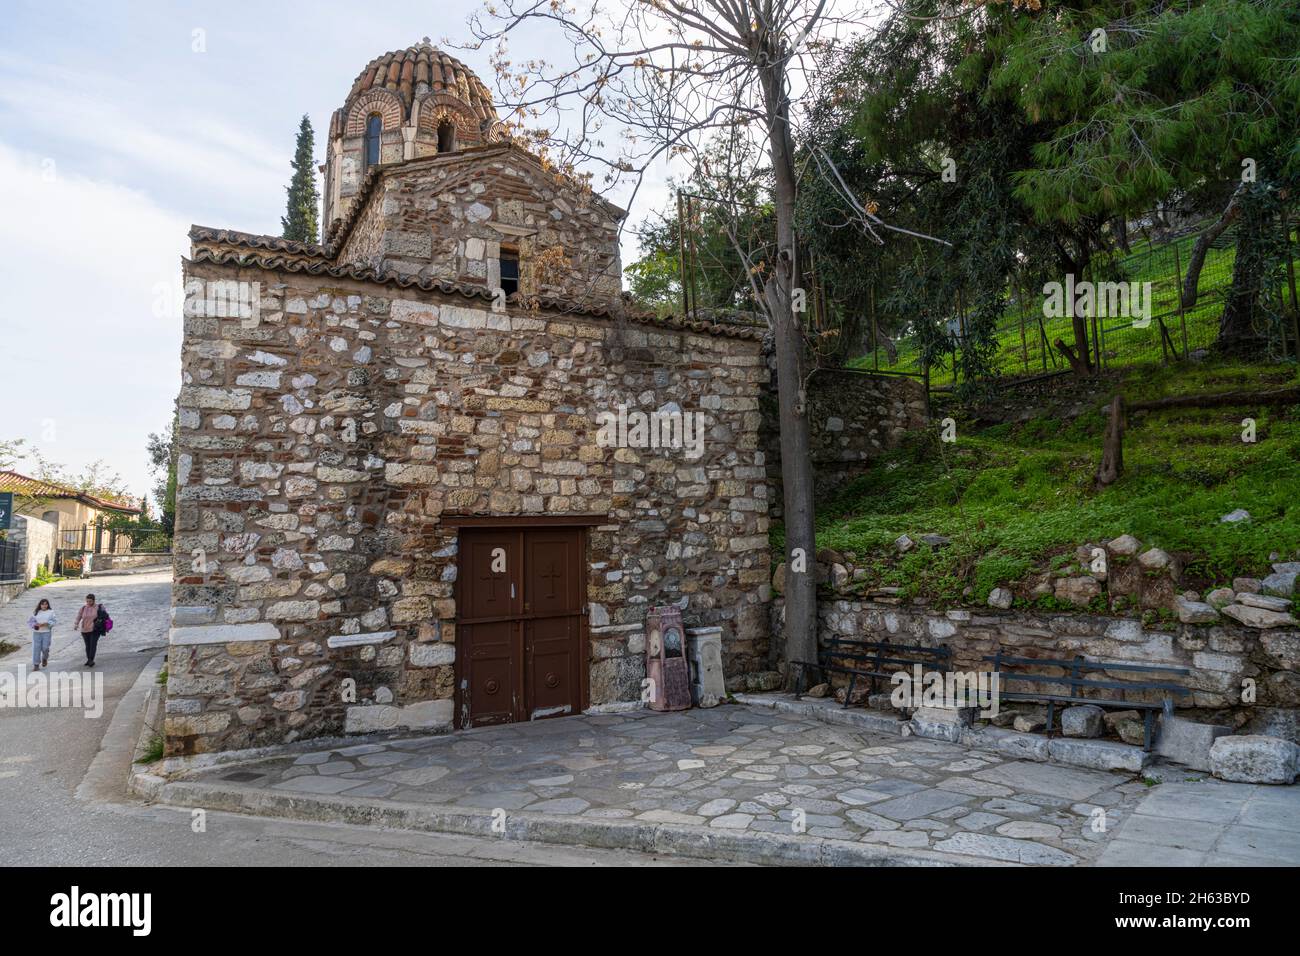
421	69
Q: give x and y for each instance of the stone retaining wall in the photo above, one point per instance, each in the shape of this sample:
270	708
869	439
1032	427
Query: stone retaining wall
854	417
1226	661
128	562
11	590
38	539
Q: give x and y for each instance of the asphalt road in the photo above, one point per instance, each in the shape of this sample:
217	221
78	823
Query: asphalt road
56	810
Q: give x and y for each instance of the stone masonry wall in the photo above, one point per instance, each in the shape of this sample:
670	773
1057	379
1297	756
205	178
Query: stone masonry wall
855	419
447	218
322	442
1221	657
39	540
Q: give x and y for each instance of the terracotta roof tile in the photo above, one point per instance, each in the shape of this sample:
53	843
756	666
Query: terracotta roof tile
402	70
39	488
324	267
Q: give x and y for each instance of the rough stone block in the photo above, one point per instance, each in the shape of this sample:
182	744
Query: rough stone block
1028	723
1254	759
1097	754
432	655
1008	742
190	616
1084	720
1187	742
1194	612
367	720
1257	616
1280	583
941	723
224	633
427	715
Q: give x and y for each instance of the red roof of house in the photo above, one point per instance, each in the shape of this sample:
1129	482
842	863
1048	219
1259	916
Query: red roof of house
37	488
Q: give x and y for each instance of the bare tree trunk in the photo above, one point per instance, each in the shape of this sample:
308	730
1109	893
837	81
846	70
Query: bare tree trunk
1121	233
1078	362
885	342
1202	246
796	458
1238	334
1112	448
1080	356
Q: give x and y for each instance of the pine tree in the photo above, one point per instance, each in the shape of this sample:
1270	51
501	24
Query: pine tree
301	224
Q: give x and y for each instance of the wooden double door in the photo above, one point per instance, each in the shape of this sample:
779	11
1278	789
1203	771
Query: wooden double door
521	633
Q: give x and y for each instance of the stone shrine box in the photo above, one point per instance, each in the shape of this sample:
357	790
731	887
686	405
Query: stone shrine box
666	666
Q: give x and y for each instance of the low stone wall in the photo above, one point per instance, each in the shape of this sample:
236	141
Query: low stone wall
10	591
38	539
130	562
1228	662
855	418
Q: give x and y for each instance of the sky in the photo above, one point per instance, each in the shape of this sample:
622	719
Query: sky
120	126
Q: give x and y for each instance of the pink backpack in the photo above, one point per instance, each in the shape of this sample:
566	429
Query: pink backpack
103	620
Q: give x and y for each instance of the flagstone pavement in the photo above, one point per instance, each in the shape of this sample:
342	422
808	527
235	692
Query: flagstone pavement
734	768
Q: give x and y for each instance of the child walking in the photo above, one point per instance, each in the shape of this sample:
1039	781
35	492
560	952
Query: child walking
42	624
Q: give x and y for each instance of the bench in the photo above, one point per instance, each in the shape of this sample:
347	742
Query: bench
868	659
1068	689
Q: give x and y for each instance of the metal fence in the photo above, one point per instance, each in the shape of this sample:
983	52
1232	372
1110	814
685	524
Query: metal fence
11	554
105	539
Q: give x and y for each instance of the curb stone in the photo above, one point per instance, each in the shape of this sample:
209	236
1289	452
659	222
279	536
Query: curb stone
1068	752
667	839
120	744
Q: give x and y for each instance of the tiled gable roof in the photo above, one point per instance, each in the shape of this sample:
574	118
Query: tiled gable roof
38	488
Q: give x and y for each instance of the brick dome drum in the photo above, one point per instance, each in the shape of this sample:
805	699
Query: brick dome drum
406	104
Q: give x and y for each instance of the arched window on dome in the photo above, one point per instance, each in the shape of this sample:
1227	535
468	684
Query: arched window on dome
446	137
374	126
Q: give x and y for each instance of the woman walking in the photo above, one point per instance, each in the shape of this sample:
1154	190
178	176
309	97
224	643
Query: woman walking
87	623
42	624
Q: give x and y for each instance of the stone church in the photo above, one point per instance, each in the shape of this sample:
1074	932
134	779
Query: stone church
396	506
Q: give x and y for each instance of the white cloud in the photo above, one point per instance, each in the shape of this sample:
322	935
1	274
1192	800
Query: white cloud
89	123
91	368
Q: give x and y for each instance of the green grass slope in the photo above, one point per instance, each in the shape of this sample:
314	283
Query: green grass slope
1015	498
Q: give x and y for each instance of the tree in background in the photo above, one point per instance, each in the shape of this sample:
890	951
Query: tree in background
665	76
96	479
301	224
162	463
905	118
1149	101
1056	125
12	451
729	231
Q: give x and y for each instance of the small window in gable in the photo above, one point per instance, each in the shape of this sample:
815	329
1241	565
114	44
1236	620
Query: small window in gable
509	270
374	126
446	137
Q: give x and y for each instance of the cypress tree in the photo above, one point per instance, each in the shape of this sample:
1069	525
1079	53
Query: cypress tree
301	222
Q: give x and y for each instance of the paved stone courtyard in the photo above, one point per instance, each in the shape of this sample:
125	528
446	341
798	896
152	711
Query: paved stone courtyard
734	768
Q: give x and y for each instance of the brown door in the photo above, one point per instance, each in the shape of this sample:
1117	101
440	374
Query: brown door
522	625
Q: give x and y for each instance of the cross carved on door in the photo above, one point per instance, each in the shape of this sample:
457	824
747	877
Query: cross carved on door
550	576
